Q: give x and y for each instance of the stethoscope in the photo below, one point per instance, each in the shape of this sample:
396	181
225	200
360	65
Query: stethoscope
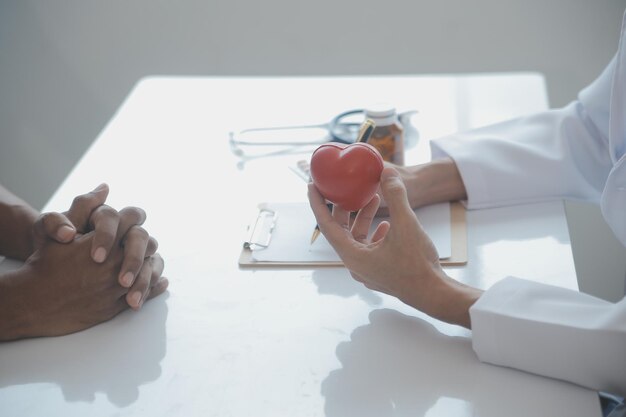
343	128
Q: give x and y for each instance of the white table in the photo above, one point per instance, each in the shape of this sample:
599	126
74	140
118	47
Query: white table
283	342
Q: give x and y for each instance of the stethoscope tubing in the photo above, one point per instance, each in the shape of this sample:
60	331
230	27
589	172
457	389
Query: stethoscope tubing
330	127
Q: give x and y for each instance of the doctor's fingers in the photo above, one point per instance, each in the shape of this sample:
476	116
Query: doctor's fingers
337	235
363	221
341	216
381	231
394	192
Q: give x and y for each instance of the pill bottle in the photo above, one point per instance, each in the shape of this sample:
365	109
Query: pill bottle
388	135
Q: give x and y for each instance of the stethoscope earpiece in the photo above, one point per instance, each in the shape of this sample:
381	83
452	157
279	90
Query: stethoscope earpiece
234	148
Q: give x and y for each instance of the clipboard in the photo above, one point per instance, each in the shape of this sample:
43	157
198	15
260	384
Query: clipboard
262	226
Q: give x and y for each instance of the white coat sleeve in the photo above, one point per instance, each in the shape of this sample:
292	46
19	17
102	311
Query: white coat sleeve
553	332
556	154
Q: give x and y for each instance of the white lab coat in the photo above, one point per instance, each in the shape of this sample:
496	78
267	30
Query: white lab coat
577	152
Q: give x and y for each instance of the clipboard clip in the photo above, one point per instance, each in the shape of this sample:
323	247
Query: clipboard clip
260	229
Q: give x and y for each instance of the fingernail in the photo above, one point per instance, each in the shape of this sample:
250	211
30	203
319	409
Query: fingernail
135	298
127	279
99	255
65	232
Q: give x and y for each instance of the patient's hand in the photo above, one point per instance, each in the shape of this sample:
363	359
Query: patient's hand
61	290
89	213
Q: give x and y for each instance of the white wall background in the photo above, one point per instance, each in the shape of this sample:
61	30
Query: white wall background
65	66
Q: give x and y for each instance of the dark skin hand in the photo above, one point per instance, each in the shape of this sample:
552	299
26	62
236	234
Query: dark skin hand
89	213
23	230
90	261
60	290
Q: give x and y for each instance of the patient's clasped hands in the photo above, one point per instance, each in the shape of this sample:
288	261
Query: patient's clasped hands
87	265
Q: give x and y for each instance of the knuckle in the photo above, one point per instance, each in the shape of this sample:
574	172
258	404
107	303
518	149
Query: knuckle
133	215
45	218
81	200
157	273
159	288
140	233
395	187
157	262
154	279
102	218
105	211
152	246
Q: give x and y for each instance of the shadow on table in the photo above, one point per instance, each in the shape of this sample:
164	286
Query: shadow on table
339	282
114	357
400	365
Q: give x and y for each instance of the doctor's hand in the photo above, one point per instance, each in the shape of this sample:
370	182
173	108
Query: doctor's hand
89	213
399	259
430	183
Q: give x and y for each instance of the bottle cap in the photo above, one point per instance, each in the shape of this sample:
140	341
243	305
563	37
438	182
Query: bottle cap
382	113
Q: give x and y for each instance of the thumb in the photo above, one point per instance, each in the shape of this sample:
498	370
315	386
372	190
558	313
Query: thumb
53	226
394	193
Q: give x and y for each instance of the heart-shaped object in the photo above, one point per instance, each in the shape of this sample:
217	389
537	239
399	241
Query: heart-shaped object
347	175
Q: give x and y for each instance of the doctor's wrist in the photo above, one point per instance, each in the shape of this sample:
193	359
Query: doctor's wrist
452	300
434	182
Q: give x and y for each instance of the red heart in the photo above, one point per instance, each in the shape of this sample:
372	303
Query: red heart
347	175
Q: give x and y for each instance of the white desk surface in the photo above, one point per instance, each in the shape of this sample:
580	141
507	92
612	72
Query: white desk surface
283	342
